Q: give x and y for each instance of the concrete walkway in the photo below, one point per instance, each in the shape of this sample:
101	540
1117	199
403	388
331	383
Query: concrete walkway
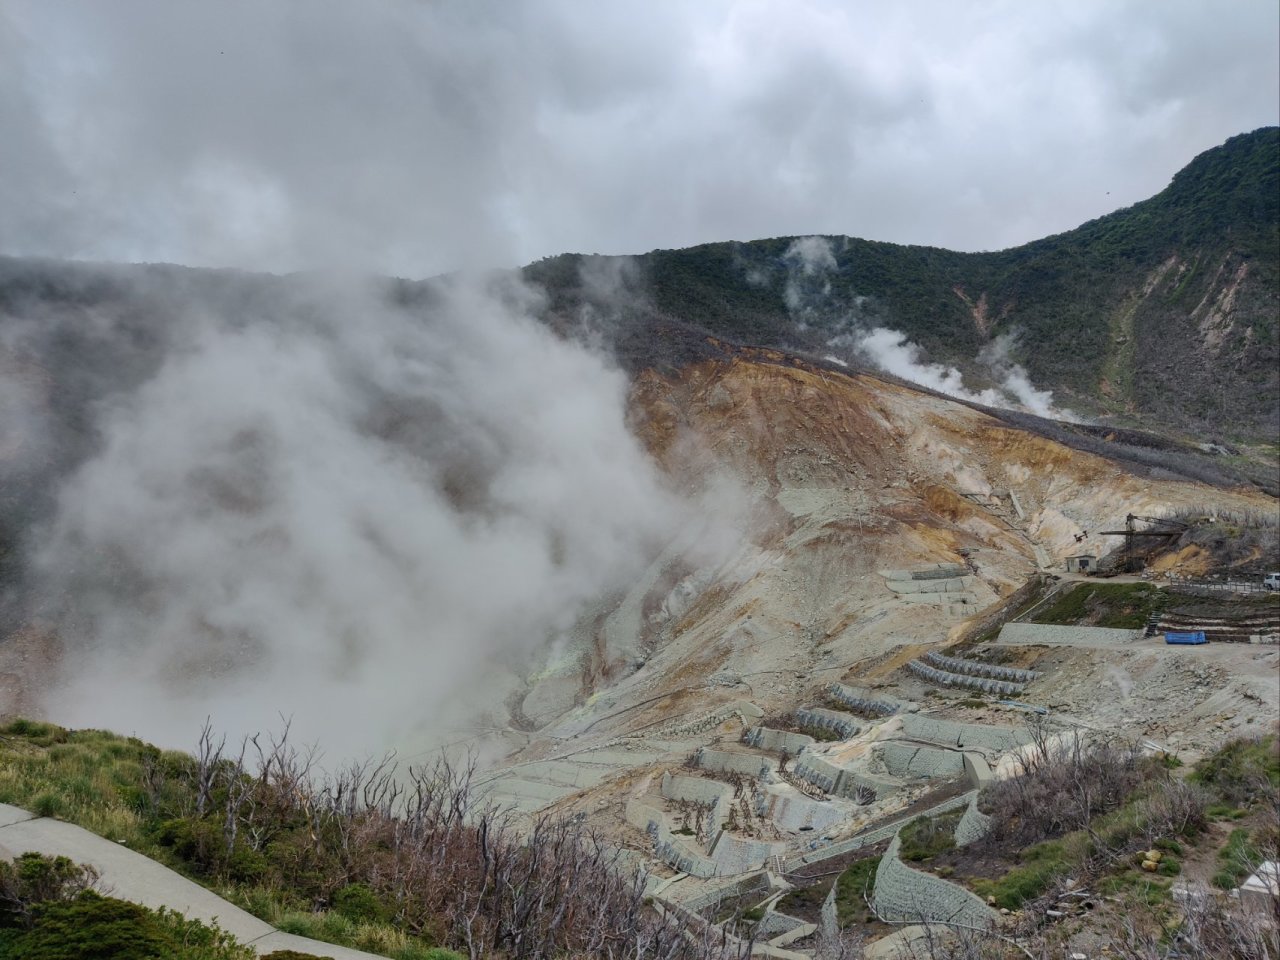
128	875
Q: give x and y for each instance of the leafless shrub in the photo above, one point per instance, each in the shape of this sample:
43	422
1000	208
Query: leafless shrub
1209	925
453	867
1173	808
1063	784
846	944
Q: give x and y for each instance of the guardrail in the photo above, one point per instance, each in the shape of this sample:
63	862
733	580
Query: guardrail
1209	587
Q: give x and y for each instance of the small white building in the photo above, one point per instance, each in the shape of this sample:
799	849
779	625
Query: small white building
1082	563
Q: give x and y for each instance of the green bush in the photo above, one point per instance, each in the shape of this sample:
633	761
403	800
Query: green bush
34	879
357	902
93	928
199	842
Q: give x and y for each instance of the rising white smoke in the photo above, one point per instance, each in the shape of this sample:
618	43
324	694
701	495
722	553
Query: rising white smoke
810	261
892	352
354	519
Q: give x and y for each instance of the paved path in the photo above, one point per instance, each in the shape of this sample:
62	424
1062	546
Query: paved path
129	875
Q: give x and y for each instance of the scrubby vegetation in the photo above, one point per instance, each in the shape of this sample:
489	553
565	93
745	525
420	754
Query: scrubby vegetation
852	888
49	911
1111	820
399	862
1124	606
926	837
1245	543
1243	772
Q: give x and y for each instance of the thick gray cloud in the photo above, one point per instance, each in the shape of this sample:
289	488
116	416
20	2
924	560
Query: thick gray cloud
418	137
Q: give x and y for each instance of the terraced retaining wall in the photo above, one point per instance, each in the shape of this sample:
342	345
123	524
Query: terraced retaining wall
844	725
794	811
914	762
695	789
974	825
777	741
908	587
678	852
867	837
713	893
945	679
642	815
745	764
734	854
744	711
905	894
939	571
1033	633
977	668
839	781
864	701
966	736
680	856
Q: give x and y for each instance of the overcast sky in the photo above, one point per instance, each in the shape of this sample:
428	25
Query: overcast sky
415	137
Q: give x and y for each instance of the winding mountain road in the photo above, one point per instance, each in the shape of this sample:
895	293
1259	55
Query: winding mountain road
129	875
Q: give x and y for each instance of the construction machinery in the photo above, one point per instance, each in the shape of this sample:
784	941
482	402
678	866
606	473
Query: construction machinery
1131	560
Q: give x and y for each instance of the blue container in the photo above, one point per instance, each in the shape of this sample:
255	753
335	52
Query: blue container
1190	638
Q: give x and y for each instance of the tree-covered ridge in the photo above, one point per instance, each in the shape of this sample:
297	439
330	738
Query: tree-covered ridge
1164	311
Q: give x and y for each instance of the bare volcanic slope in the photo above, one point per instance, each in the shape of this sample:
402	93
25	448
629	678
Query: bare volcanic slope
880	518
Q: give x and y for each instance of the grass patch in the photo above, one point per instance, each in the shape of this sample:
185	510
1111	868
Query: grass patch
926	837
1121	605
1135	885
1243	773
1041	865
851	907
1235	860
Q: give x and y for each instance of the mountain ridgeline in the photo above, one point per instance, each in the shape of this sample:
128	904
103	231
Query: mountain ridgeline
1163	314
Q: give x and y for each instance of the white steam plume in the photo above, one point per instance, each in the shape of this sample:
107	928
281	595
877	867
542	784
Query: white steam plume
349	519
809	260
892	352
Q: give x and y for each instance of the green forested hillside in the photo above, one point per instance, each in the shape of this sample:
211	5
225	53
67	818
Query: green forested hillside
1164	312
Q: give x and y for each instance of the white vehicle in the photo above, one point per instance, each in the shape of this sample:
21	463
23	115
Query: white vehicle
1271	581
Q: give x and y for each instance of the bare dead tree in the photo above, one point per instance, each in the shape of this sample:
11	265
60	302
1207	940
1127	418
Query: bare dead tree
208	757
